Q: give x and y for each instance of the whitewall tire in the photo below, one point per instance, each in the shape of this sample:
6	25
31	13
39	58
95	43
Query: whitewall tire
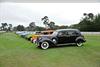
44	45
79	44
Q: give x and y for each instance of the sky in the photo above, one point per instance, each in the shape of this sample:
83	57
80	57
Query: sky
52	1
60	13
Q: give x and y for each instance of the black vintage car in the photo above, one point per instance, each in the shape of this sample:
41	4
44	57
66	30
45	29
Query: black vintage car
61	37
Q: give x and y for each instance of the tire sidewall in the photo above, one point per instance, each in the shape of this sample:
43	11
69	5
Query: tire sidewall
43	45
79	44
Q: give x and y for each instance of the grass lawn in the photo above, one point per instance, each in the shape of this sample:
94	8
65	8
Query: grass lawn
18	52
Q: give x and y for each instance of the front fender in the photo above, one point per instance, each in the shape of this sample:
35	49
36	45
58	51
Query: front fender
46	39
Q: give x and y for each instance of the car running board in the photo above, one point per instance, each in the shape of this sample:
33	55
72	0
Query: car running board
65	44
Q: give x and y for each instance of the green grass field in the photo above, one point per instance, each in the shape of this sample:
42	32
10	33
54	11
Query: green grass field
18	52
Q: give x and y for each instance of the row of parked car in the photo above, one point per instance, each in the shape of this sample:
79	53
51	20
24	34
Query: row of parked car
32	36
46	39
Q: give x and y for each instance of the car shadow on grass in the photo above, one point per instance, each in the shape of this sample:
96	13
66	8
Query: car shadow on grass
64	46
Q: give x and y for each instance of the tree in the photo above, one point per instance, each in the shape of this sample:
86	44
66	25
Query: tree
27	28
15	28
89	16
89	22
38	28
86	23
51	25
20	28
97	22
63	27
45	20
4	26
74	26
9	27
47	23
32	26
0	28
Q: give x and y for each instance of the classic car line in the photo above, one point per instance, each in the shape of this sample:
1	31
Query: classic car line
46	39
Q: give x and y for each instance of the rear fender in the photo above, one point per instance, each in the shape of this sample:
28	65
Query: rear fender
80	39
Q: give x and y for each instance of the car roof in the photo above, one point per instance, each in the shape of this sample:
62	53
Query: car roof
67	30
47	31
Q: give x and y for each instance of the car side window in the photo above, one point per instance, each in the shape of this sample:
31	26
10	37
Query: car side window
62	33
76	33
71	33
